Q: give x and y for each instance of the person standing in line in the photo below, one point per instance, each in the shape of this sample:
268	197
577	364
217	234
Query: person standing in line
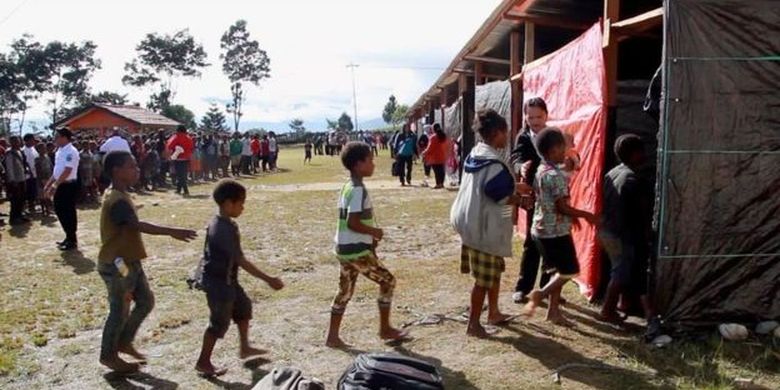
526	161
181	147
224	154
16	172
236	146
164	159
115	143
405	151
273	150
30	154
63	187
43	168
265	151
307	147
246	154
257	153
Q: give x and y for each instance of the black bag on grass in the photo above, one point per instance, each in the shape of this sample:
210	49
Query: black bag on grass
391	372
396	169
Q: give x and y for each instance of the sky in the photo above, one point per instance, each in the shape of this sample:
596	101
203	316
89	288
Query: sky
402	46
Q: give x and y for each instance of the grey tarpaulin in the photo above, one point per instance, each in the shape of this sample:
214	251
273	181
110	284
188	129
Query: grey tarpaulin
452	118
718	209
437	116
498	96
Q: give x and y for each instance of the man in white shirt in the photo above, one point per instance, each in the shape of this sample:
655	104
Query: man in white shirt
246	154
273	150
30	154
64	188
115	144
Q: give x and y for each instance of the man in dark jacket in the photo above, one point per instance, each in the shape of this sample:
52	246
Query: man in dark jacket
525	161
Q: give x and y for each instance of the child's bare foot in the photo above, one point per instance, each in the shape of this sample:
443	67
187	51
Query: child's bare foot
393	334
335	342
479	332
247	352
560	320
499	319
120	366
130	350
208	370
610	317
534	300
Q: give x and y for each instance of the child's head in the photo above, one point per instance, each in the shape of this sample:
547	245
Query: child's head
230	196
630	150
16	142
40	148
535	111
492	127
358	159
121	168
551	144
29	140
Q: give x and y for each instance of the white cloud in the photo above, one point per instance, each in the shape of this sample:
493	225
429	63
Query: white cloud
309	42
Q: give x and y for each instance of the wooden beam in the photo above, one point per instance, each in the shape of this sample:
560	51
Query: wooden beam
611	15
640	23
547	21
489	60
530	43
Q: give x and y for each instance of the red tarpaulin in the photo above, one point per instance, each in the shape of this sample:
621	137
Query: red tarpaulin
572	81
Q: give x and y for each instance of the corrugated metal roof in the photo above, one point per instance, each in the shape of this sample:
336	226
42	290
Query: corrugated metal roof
139	115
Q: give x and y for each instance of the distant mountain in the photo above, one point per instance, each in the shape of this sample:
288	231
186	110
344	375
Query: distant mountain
283	127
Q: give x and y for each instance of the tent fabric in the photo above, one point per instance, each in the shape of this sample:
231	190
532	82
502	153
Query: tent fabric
452	118
718	208
575	100
496	95
437	116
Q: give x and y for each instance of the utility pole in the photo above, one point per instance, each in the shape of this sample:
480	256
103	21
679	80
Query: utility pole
352	67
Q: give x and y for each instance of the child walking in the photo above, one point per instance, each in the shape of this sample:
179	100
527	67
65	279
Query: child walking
552	222
307	147
43	167
356	240
225	296
121	252
482	216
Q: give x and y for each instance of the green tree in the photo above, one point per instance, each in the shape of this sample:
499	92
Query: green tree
390	107
24	77
345	122
162	59
180	114
399	116
332	125
105	97
213	121
243	62
71	66
297	126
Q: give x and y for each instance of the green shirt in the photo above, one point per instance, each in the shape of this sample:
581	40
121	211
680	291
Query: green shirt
235	147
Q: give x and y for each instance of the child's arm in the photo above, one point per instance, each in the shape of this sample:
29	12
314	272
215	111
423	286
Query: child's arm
563	207
185	235
274	283
356	225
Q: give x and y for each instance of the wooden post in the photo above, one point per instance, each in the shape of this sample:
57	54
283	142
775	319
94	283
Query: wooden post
611	15
443	105
479	73
530	43
466	94
515	67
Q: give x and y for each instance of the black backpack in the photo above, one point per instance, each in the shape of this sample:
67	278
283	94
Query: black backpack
390	372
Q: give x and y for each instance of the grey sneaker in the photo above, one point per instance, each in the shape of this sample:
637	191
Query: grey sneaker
519	297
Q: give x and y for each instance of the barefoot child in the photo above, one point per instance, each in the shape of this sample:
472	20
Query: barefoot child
121	252
222	259
307	152
356	240
552	222
482	216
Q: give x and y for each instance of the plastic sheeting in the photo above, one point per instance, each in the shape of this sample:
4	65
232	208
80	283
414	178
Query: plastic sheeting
572	82
498	96
452	120
718	215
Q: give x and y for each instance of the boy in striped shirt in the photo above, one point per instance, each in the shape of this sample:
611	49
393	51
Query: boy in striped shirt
356	240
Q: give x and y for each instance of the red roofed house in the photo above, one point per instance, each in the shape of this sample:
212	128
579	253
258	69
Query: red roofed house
99	119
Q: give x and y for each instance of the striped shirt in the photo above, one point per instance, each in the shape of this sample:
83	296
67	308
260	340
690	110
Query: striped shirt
354	199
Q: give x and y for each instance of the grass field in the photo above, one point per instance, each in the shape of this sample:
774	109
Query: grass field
52	305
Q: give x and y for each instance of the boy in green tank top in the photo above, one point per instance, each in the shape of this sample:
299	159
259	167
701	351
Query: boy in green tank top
119	263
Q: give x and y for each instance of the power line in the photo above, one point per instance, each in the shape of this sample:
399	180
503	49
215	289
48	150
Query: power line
13	11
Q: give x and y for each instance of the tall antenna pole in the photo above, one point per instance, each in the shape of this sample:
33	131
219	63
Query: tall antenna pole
352	67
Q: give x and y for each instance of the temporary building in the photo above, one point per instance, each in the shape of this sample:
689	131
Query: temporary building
710	118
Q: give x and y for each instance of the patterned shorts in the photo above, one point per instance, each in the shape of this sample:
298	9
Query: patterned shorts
485	268
370	267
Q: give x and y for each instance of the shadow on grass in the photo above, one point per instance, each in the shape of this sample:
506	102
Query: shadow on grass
48	220
146	381
452	379
19	231
88	206
76	259
591	372
199	196
257	375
